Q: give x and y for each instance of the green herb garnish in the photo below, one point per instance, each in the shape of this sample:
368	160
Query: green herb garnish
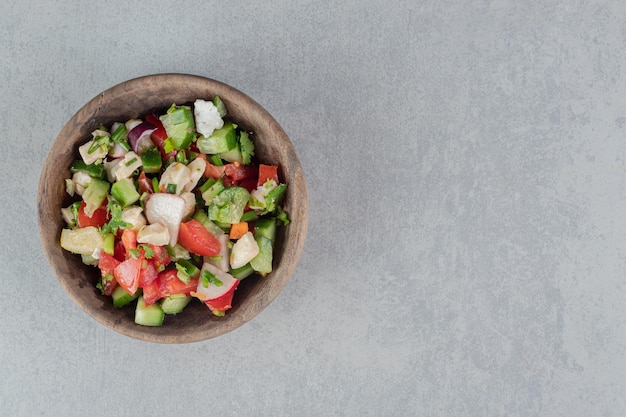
210	278
115	222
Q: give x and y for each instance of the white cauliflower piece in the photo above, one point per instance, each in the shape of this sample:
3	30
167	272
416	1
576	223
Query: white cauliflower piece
207	117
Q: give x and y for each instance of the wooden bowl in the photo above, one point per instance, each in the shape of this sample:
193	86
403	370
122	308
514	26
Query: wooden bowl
136	98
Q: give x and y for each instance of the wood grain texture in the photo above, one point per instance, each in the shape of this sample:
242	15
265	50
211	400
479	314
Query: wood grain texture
136	98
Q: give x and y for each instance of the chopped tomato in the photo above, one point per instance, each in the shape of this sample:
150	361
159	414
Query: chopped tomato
109	283
239	172
194	237
152	292
169	284
228	181
220	304
99	217
129	240
127	274
120	251
148	274
107	265
159	135
213	171
267	172
145	184
249	184
161	258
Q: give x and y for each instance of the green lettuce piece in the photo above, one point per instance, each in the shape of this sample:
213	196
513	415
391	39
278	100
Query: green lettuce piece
228	205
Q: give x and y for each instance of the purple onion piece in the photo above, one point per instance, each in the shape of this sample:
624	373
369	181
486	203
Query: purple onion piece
139	137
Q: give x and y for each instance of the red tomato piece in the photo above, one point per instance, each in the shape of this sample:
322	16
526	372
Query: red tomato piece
267	172
249	184
169	284
129	240
221	304
228	181
109	283
148	274
127	274
145	184
159	135
213	171
161	258
152	292
194	237
98	219
120	251
239	172
107	263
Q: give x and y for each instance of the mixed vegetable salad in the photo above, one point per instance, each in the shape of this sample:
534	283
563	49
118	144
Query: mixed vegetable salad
171	208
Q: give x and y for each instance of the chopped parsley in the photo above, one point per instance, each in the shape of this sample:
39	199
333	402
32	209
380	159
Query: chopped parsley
115	213
247	148
148	252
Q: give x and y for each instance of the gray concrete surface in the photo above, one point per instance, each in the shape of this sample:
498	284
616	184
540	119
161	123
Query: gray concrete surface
466	169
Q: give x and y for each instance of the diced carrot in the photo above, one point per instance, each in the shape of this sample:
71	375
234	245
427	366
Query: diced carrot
238	229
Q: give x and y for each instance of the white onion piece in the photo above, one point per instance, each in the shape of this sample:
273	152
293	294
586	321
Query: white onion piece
212	291
167	209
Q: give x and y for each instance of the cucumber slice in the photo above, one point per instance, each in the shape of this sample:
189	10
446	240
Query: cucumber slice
175	303
221	140
243	272
151	315
124	192
122	298
266	228
179	125
211	192
94	195
262	263
151	161
233	155
93	170
221	107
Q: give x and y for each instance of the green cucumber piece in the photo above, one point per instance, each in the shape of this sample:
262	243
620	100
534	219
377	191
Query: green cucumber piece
179	126
221	107
151	161
211	192
175	303
242	272
262	263
221	140
233	155
266	228
95	194
151	315
203	218
93	170
249	216
122	298
108	244
124	192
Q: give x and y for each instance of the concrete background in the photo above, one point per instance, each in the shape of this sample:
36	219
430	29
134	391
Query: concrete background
466	169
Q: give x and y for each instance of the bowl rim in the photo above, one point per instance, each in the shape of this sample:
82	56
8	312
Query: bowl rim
89	112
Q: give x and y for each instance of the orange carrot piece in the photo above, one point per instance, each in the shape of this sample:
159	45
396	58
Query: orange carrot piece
237	230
